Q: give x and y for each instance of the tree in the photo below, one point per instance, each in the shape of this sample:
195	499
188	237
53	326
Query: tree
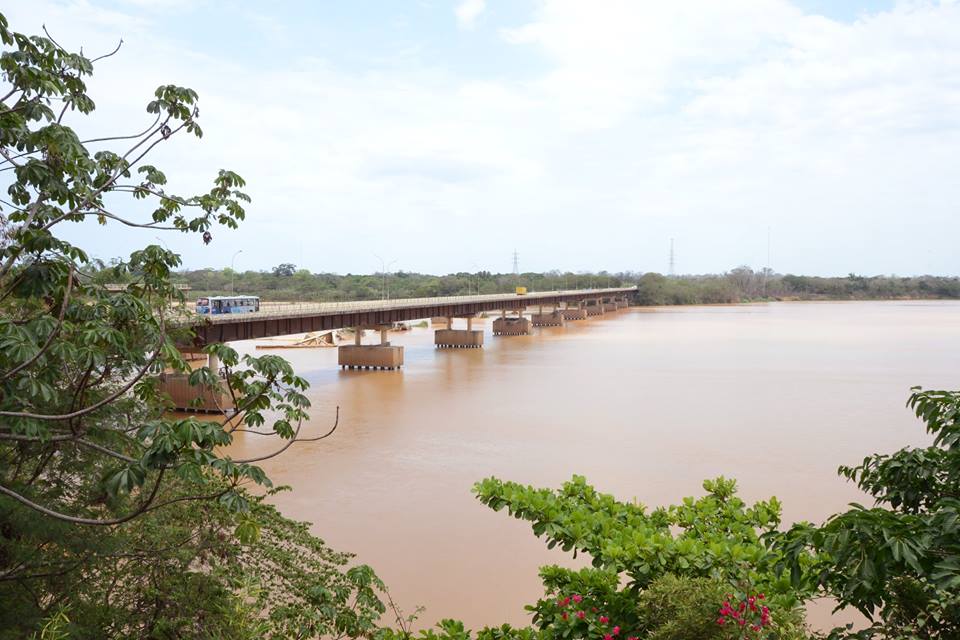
86	445
713	545
900	560
284	270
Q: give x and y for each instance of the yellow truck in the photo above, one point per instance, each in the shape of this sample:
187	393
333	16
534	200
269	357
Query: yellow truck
521	291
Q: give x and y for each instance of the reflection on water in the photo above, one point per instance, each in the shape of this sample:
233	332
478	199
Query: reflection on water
645	402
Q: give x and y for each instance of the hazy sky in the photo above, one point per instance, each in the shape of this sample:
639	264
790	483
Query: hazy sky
584	134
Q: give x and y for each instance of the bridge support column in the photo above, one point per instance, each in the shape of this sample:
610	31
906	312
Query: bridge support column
595	309
510	326
609	306
197	398
550	319
364	356
451	338
576	313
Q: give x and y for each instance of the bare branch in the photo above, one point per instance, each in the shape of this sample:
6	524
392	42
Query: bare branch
52	39
59	438
294	440
141	225
136	135
107	55
86	202
12	91
143	508
9	158
105	450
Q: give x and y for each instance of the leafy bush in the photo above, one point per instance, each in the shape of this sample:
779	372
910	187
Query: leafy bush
900	560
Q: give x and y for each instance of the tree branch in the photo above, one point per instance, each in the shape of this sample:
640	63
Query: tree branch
110	398
92	521
294	440
107	55
53	334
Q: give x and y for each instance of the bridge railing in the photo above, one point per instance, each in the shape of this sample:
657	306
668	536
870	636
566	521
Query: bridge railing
288	309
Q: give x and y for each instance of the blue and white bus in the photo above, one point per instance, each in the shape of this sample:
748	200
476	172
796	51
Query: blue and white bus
228	304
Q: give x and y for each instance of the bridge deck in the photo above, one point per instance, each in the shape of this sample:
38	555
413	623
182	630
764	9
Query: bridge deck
286	319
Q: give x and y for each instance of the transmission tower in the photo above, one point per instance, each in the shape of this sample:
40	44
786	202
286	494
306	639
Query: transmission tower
672	264
516	263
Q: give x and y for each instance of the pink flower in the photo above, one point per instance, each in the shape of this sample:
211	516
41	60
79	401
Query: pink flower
577	598
721	620
581	615
607	636
604	619
616	631
564	615
742	622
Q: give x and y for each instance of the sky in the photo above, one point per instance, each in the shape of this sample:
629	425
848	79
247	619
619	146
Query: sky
441	136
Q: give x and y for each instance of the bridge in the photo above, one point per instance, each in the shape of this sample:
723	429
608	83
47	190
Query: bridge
550	308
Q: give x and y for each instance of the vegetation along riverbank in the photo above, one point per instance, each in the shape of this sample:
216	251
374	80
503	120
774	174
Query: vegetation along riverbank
120	520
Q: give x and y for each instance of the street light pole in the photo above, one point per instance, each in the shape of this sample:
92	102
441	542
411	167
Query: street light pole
233	288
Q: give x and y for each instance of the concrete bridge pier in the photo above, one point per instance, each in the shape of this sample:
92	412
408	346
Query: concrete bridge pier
200	398
451	338
576	313
511	326
553	318
609	305
372	356
595	309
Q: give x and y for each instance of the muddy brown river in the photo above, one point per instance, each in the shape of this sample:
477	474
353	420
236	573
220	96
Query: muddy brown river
643	402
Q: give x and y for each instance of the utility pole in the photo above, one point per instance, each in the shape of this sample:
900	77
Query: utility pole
233	274
672	264
383	272
766	270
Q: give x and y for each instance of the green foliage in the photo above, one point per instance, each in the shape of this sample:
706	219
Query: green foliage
116	518
743	285
285	283
716	536
638	555
180	573
675	608
900	560
78	363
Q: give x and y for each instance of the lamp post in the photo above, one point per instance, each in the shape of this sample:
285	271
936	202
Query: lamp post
233	288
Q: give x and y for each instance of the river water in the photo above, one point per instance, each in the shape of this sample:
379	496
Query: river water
645	402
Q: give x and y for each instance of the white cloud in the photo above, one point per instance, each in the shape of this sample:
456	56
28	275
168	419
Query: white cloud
701	121
468	11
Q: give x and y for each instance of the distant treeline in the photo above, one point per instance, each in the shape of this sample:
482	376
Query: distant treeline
744	285
286	282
